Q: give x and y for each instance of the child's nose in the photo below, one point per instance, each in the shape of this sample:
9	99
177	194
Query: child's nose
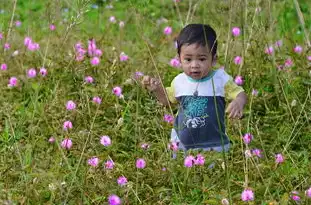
194	64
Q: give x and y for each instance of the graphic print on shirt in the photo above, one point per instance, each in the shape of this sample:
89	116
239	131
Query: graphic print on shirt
195	111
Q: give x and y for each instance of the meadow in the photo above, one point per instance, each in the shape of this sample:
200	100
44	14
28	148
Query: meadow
76	126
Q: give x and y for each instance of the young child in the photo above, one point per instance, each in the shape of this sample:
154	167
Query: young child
200	92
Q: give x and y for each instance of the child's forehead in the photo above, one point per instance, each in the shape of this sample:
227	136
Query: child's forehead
194	48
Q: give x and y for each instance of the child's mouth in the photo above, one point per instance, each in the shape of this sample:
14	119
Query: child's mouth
196	74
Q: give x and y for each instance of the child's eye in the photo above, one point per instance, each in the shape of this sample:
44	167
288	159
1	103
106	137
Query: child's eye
202	59
187	59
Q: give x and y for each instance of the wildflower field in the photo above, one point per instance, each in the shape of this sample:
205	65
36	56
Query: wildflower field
76	126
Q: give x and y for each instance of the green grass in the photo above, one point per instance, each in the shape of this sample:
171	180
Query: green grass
34	171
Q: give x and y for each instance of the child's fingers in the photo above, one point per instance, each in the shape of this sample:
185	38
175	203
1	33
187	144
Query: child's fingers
146	80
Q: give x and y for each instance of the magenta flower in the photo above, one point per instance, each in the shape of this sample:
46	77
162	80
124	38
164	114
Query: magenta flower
12	82
91	47
189	161
123	57
43	72
168	118
295	196
95	61
167	30
98	52
200	160
175	63
236	31
140	163
105	140
70	105
27	41
3	66
254	92
112	19
31	73
239	80
145	146
279	43
122	180
269	50
51	140
114	200
238	60
288	63
66	143
109	164
89	79
279	158
32	46
173	146
18	23
257	152
117	91
7	46
93	161
97	100
308	192
52	27
247	138
298	49
1	36
67	125
247	195
309	58
121	24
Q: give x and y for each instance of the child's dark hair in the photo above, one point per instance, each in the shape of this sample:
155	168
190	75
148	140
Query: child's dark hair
201	34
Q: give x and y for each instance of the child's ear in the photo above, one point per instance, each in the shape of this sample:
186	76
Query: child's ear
214	60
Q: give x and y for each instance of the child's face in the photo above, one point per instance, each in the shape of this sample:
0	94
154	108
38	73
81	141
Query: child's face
196	60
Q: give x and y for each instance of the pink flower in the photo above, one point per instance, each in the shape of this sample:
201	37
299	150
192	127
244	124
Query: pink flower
167	30
7	46
175	63
112	19
238	80
93	161
121	24
31	73
138	74
189	161
145	146
109	164
238	60
18	23
247	138
168	118
91	47
1	36
295	196
279	43
43	72
66	143
247	195
308	192
279	158
105	140
114	200
95	61
117	91
173	146
236	31
97	100
79	58
27	41
309	58
89	79
98	52
52	27
122	180
51	140
33	46
288	63
200	160
140	163
4	66
269	50
70	105
67	125
12	82
298	49
123	57
257	152
254	92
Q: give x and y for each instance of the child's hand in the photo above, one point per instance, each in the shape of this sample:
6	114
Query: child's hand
151	84
235	108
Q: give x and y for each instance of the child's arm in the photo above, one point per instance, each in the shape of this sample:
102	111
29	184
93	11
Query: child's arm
155	86
235	108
